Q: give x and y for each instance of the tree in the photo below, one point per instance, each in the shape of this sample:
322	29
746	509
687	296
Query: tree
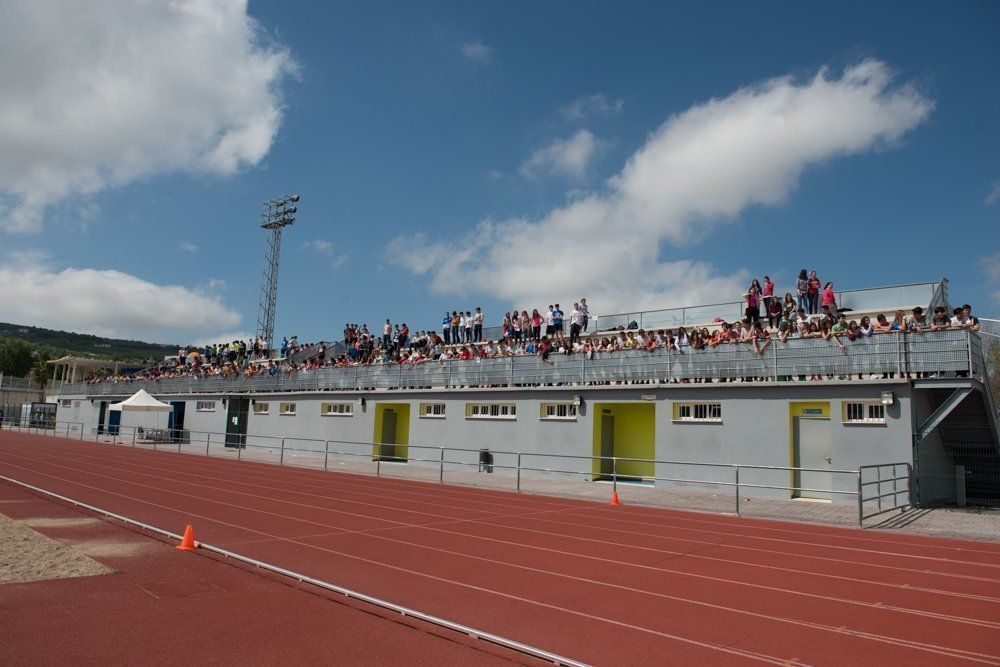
41	373
15	358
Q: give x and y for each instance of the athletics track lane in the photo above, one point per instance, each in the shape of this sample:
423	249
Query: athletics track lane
593	582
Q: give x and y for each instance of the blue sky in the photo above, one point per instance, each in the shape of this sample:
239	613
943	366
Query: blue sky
404	125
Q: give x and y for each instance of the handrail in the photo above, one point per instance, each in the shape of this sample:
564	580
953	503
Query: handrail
881	354
375	452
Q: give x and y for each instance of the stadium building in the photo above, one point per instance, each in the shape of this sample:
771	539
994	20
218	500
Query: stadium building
797	417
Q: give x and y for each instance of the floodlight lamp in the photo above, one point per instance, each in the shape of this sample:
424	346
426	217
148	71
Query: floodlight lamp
887	398
293	198
291	210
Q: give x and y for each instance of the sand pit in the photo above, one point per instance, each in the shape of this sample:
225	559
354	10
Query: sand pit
26	555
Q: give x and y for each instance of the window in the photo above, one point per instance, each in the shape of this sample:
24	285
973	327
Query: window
66	403
490	411
261	407
432	410
557	412
337	409
205	406
286	408
698	412
863	412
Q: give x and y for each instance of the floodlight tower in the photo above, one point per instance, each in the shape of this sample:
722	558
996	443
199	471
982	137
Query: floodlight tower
277	214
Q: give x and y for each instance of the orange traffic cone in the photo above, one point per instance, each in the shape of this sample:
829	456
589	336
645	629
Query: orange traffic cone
614	499
187	543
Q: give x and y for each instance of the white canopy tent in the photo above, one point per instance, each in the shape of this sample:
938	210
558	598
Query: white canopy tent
148	407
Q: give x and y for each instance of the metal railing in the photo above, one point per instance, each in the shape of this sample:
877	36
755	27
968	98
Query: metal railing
879	355
888	486
614	469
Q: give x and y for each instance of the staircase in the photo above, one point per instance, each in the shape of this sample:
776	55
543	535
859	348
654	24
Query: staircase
969	435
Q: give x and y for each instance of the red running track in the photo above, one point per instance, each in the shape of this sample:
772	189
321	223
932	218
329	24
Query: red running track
593	582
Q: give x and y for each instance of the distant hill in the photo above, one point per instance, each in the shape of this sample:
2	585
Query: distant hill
60	343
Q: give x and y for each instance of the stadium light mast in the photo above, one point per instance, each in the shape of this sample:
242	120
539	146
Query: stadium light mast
277	214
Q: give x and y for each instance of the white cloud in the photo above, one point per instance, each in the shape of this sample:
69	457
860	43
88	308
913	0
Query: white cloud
494	174
102	93
564	157
589	106
188	247
991	270
318	245
106	302
994	195
477	51
227	337
324	247
700	168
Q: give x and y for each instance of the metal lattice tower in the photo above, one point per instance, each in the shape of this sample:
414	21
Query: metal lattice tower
277	214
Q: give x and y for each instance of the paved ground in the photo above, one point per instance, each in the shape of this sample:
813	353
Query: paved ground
164	606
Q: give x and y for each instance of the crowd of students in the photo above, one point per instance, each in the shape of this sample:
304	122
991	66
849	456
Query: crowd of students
544	335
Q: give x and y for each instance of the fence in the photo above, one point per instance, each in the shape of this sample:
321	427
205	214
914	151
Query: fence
734	477
880	354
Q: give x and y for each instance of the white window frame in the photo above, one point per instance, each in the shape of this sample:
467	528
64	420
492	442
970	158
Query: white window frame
282	408
66	402
690	412
204	406
491	411
261	407
863	413
549	412
336	409
432	411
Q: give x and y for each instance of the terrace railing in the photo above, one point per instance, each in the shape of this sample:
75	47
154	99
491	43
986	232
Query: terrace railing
896	353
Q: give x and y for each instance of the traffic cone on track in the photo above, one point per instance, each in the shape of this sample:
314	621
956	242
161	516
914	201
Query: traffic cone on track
614	499
187	542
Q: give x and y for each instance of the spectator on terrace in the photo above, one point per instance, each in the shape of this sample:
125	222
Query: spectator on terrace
586	313
802	289
549	331
812	291
829	299
826	333
387	334
456	326
917	322
940	320
788	308
768	294
841	325
544	350
507	326
784	331
866	326
467	323
284	347
446	328
576	318
557	323
536	325
760	338
963	318
752	297
882	325
774	310
477	326
853	331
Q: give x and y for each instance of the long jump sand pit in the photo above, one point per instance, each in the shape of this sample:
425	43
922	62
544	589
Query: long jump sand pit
26	555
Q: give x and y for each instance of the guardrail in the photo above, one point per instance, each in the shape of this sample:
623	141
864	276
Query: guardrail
892	492
881	354
614	469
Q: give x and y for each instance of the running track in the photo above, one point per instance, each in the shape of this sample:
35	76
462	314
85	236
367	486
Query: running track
593	582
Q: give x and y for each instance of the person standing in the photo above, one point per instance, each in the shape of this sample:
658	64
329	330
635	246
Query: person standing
557	323
456	322
467	323
387	335
812	291
802	289
575	324
829	299
586	313
767	297
477	326
446	328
